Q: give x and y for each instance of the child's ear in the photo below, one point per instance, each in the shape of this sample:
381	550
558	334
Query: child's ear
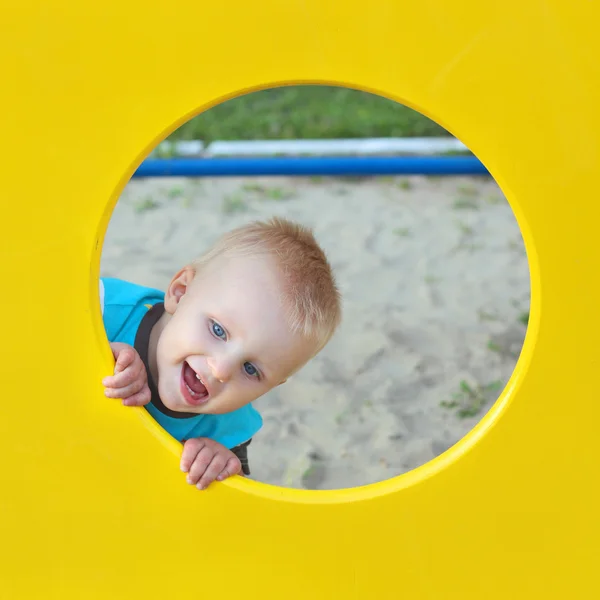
178	288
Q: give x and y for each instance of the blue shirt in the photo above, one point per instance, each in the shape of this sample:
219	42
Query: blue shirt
129	311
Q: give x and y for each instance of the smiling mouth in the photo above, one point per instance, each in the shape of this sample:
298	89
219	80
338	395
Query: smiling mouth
193	388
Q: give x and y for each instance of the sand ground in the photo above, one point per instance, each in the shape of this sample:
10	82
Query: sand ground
435	284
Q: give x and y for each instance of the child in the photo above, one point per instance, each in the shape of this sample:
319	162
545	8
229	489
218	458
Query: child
231	326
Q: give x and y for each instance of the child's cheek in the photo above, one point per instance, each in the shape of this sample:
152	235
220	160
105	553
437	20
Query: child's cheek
204	338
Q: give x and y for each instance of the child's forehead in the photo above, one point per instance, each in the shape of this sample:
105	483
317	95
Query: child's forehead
248	272
242	260
244	284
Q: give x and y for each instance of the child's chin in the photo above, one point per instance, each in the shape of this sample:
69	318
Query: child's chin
176	404
181	406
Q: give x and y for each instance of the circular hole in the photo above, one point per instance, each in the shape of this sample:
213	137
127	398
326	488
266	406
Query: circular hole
432	270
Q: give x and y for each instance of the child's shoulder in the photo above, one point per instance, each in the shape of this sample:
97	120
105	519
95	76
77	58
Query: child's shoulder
123	305
119	292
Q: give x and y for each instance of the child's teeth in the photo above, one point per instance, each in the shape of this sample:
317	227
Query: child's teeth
198	376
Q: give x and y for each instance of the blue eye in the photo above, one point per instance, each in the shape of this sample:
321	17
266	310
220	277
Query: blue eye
218	330
250	369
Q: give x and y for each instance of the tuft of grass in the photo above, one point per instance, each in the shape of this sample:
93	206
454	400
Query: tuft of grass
272	193
431	279
255	188
401	231
494	347
146	204
465	203
175	192
467	190
309	472
469	400
342	416
524	318
405	184
486	316
494	199
277	193
516	245
465	229
233	203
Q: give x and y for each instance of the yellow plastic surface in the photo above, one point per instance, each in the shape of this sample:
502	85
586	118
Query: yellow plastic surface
93	504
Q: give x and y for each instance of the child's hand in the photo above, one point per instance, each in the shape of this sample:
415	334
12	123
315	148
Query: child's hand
205	460
130	381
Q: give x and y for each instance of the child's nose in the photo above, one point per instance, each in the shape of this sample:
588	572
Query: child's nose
220	369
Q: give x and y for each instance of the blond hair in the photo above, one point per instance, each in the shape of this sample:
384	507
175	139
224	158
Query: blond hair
309	290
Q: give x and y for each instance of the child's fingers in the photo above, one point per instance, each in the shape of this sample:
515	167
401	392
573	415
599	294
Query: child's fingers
140	399
190	451
216	466
233	467
125	357
125	391
201	462
132	374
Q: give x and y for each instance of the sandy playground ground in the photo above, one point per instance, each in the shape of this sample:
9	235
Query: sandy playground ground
436	289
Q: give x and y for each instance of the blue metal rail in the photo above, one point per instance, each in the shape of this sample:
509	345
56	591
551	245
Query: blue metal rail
311	166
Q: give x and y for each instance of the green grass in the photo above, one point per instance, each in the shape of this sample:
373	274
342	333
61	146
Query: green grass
233	203
465	229
463	203
495	199
431	279
467	190
146	204
486	316
268	193
494	347
470	399
277	193
307	112
254	188
175	192
401	231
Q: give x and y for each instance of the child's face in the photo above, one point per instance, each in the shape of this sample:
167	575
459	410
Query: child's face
227	341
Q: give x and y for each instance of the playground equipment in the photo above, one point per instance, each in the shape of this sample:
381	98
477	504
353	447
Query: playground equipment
329	165
93	504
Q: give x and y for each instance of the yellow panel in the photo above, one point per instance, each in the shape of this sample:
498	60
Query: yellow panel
93	504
